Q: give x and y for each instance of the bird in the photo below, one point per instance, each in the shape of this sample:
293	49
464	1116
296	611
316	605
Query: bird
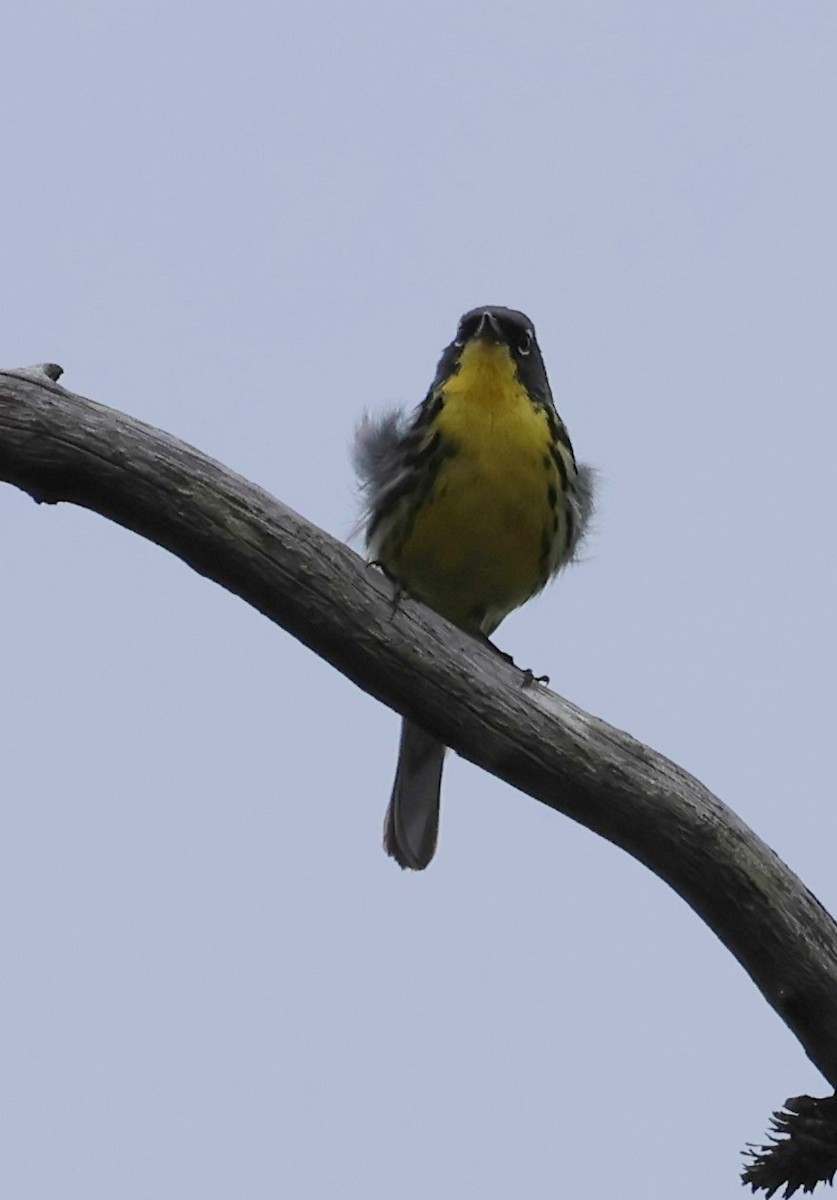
472	503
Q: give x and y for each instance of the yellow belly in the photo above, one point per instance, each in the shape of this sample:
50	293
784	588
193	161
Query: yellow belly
479	544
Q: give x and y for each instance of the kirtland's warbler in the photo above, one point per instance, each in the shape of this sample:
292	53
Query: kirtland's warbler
472	504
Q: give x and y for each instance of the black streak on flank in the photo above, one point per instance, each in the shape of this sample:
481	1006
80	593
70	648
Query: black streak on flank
431	408
415	458
560	465
570	519
546	550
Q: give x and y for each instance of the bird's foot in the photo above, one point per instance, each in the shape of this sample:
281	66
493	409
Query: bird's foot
529	676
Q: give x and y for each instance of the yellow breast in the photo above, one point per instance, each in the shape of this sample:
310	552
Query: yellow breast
479	544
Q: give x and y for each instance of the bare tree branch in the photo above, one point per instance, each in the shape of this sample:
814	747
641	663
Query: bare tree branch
61	447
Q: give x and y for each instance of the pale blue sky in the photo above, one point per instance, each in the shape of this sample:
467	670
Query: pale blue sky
245	223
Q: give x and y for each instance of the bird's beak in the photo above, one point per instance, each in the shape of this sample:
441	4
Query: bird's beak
488	329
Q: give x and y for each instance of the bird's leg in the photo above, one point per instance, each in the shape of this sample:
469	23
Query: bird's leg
398	589
398	592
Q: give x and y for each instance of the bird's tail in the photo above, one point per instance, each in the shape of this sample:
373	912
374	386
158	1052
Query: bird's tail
412	821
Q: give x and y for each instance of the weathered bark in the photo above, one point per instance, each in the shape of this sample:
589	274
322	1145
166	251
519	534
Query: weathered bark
60	447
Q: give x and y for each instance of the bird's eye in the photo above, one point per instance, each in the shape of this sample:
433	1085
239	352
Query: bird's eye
525	344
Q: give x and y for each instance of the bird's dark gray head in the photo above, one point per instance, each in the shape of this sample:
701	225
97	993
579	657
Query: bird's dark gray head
497	325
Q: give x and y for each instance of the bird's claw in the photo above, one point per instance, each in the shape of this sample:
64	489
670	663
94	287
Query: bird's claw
529	676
